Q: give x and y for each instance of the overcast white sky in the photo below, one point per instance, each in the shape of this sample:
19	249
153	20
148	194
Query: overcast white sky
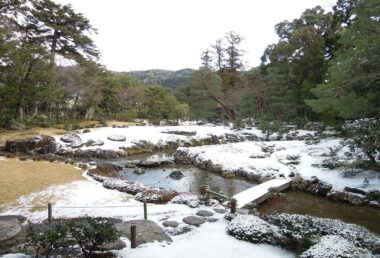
171	34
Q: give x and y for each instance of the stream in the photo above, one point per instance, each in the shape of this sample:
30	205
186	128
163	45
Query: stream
307	204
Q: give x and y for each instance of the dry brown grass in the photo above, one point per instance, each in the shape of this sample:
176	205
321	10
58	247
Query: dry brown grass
19	178
14	134
116	123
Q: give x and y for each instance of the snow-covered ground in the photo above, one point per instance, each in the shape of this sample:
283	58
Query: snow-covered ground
209	240
250	157
153	134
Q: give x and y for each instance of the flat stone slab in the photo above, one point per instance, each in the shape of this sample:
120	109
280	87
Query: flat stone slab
221	211
170	223
204	213
12	231
194	220
117	138
146	231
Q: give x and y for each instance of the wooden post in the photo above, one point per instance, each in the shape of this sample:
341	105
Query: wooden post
145	211
233	203
133	236
50	212
207	197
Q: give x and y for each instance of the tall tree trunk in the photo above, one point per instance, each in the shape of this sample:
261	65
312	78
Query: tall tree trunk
53	47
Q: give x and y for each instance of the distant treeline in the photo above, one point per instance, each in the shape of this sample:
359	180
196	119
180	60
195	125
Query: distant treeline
325	66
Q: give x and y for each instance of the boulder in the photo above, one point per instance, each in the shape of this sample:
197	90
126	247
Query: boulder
176	175
355	190
106	169
71	139
204	213
315	126
91	143
190	200
12	231
146	231
194	220
40	144
139	171
117	245
186	133
221	211
117	138
155	195
170	223
180	230
148	164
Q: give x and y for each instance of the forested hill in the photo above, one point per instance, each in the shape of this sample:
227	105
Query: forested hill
171	79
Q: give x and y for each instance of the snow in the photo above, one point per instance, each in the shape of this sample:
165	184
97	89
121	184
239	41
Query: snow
153	134
209	240
85	197
331	246
249	157
253	193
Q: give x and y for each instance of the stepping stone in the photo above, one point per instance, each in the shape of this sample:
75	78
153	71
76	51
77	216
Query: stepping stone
204	213
147	231
170	223
194	220
117	138
212	219
221	211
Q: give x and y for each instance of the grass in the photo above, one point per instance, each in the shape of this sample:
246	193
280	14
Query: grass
20	178
19	134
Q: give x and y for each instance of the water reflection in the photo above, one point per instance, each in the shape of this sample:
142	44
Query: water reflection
307	204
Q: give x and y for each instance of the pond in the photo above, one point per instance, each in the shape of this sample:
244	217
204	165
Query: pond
307	204
194	179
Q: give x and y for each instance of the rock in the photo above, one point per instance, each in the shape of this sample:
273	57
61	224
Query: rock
106	169
180	230
139	171
40	144
374	204
91	143
221	211
228	174
167	163
176	175
155	195
181	156
347	197
148	164
292	174
355	190
147	231
117	245
211	220
170	223
186	133
130	165
194	221
258	156
71	138
190	200
15	125
86	130
12	231
141	147
117	138
204	213
315	126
